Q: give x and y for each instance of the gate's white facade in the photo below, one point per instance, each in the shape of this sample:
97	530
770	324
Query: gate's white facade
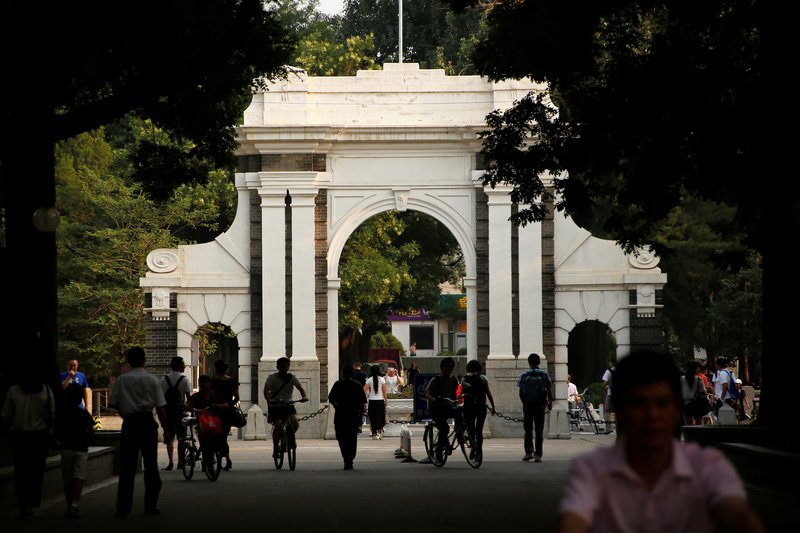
319	156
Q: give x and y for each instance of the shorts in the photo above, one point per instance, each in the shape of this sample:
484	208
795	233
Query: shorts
73	464
280	412
175	427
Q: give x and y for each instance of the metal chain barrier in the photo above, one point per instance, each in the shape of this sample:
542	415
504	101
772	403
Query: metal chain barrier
321	410
504	417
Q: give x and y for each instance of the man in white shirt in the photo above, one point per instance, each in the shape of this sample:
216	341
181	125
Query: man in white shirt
136	393
177	389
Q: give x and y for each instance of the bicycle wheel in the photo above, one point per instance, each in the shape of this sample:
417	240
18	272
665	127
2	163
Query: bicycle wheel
588	416
469	447
431	438
291	447
281	450
212	460
187	457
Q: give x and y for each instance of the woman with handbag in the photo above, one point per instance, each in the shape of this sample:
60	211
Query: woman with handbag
229	390
695	402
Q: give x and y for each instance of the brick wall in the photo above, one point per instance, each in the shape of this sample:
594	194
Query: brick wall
256	305
321	289
161	338
482	272
646	332
548	283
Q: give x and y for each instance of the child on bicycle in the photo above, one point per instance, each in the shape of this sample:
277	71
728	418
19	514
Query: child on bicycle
440	387
475	391
278	387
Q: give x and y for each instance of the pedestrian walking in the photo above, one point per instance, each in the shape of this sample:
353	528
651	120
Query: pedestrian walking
348	399
135	394
536	395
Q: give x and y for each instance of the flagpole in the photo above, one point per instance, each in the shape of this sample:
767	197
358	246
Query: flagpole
400	18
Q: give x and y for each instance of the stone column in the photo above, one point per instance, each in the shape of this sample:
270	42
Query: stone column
333	330
303	276
530	290
273	222
500	321
502	368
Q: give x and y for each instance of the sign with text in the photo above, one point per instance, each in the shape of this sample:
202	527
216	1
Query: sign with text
420	403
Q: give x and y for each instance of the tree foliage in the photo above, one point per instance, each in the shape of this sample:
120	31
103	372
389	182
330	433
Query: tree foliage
656	102
433	36
108	227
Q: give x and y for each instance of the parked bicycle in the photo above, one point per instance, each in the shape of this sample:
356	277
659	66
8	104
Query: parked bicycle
460	435
288	445
208	454
584	415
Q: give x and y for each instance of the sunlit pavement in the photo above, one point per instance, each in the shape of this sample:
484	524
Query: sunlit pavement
381	492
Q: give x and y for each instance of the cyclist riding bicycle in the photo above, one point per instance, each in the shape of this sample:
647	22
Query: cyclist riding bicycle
210	400
475	391
440	387
279	386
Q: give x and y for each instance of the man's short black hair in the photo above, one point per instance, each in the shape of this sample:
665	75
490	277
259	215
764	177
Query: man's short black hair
474	366
447	361
73	394
283	360
203	379
534	359
643	367
136	356
176	362
347	371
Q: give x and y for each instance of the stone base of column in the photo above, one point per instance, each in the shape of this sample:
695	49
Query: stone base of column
308	373
557	423
503	375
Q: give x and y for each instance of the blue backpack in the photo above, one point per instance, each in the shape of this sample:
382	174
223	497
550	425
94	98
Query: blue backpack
733	390
534	389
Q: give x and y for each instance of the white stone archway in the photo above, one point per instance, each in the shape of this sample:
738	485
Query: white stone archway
319	156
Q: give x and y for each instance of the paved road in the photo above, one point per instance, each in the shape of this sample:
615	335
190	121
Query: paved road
381	493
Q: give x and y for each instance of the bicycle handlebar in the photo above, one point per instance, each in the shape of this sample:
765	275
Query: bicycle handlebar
290	402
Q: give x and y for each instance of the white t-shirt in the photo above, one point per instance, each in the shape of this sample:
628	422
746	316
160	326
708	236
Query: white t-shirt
392	384
184	387
375	394
607	375
572	392
719	378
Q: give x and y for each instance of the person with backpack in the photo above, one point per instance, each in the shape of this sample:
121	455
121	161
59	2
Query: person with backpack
445	385
475	391
176	389
725	389
536	394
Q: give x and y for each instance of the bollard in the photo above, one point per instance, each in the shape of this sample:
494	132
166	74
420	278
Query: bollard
405	446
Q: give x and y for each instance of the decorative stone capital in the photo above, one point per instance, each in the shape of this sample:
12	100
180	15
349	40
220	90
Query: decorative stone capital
160	309
645	301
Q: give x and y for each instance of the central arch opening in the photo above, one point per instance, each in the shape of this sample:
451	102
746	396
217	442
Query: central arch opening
399	271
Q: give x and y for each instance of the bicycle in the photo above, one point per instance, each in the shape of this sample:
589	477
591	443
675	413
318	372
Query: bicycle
461	434
584	415
208	455
288	445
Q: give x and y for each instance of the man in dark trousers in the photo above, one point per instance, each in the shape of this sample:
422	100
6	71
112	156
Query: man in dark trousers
136	393
348	398
536	394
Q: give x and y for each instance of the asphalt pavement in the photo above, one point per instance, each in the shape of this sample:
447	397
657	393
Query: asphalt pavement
382	493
